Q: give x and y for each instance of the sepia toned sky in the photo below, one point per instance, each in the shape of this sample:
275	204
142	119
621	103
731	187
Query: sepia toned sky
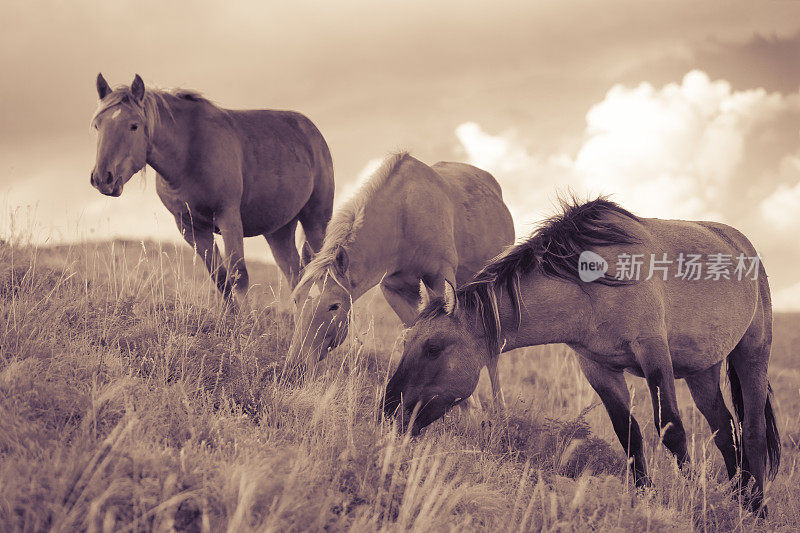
680	109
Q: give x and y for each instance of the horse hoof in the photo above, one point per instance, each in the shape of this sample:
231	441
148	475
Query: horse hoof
755	504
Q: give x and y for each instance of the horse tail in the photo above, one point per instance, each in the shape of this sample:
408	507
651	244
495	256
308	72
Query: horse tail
738	403
773	436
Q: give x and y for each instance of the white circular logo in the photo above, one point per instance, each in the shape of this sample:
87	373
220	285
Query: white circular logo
591	266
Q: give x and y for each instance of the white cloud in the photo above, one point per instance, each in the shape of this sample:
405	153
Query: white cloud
665	152
499	153
669	152
529	181
787	299
350	187
782	208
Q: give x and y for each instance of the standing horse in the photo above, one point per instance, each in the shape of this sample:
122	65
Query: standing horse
409	222
663	328
238	173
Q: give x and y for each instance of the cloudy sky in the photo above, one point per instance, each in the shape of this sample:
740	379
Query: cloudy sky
680	109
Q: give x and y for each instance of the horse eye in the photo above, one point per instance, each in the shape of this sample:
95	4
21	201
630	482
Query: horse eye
134	127
433	351
333	307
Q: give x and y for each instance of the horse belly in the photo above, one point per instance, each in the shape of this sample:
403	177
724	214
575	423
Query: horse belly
690	354
706	319
273	201
264	216
699	345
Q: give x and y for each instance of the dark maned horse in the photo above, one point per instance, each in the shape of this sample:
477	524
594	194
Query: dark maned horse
662	328
238	173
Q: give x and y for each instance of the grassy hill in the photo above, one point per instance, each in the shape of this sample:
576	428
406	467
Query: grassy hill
131	401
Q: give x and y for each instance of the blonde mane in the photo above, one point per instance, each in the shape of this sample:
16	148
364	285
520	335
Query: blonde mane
149	108
348	219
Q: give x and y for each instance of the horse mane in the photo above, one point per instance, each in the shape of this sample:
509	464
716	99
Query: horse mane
149	108
551	250
349	218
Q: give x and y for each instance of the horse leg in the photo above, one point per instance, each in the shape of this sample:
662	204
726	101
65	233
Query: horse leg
284	250
707	395
229	223
750	370
613	391
653	357
201	238
314	225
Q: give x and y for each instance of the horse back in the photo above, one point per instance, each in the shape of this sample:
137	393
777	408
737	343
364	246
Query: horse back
471	179
271	138
481	222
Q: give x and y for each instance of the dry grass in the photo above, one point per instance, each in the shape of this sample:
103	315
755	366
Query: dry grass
130	400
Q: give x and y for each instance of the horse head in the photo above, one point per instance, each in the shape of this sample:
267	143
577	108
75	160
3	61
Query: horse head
121	125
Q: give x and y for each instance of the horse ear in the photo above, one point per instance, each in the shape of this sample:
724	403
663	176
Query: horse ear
342	262
450	299
137	88
103	88
424	296
306	254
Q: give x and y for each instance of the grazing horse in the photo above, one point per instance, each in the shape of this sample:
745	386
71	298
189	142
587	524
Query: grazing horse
238	173
408	222
663	327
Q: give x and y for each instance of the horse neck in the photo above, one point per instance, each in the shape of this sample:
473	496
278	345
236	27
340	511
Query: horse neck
368	266
168	147
373	249
551	311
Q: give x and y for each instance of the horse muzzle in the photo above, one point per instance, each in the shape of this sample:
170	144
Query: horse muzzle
106	183
428	410
391	401
393	394
308	353
317	348
410	416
